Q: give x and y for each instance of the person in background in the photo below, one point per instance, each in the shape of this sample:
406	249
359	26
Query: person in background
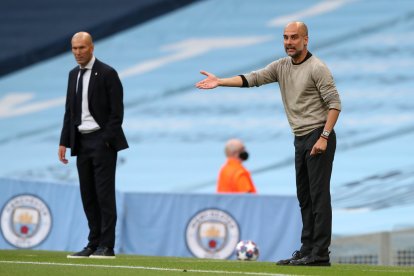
312	105
233	177
92	129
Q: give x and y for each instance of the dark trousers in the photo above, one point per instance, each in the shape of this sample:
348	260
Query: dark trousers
313	175
96	163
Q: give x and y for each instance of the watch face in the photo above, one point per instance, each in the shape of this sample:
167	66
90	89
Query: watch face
325	133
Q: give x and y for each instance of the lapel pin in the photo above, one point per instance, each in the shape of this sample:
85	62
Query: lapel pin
96	73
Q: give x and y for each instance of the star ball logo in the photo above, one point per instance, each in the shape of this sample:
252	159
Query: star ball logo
212	233
25	221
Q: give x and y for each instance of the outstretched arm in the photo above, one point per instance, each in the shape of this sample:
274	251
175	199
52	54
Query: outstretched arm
212	81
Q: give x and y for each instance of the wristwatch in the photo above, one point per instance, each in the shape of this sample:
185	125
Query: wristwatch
325	134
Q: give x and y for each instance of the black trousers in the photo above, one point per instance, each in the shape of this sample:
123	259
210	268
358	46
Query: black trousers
96	163
313	176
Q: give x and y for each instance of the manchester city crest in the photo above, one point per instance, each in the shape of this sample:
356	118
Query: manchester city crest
25	221
212	233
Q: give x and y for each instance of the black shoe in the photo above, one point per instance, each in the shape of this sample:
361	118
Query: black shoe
312	260
85	253
295	256
103	253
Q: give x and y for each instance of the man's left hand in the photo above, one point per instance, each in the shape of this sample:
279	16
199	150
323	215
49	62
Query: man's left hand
319	147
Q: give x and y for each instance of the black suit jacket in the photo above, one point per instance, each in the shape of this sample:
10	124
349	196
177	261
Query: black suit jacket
105	96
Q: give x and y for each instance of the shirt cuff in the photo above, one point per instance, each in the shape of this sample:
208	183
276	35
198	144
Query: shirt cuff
245	83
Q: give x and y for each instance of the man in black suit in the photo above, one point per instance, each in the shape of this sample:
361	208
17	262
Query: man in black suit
92	129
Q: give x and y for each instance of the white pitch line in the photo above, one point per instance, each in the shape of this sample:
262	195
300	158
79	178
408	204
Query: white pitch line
145	268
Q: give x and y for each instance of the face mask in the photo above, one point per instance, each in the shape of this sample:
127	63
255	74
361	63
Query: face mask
244	155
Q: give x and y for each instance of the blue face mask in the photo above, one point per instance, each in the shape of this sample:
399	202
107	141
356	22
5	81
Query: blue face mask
244	155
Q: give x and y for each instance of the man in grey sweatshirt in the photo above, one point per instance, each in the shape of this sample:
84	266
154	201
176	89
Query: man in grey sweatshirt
312	105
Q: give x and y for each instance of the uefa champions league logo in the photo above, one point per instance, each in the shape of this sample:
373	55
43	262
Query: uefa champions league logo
212	233
25	221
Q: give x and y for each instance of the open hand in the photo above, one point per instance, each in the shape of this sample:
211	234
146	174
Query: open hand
208	83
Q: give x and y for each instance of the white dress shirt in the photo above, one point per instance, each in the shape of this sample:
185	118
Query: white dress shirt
88	123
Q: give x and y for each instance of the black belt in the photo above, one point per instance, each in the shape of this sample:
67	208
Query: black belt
91	134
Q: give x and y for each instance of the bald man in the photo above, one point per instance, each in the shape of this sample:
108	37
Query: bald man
92	129
312	105
233	177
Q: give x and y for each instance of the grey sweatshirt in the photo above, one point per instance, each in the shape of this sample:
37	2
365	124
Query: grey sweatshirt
308	91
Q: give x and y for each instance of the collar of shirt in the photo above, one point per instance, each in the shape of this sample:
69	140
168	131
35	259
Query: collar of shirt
90	64
308	55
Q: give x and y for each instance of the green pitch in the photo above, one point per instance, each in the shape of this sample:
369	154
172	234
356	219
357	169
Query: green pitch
27	262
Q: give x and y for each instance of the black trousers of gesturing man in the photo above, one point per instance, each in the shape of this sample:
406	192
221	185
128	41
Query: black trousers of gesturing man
313	176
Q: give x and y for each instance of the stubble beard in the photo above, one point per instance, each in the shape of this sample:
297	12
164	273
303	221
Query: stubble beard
296	54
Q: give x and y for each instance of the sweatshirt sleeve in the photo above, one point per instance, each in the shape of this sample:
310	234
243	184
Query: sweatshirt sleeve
326	85
263	76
